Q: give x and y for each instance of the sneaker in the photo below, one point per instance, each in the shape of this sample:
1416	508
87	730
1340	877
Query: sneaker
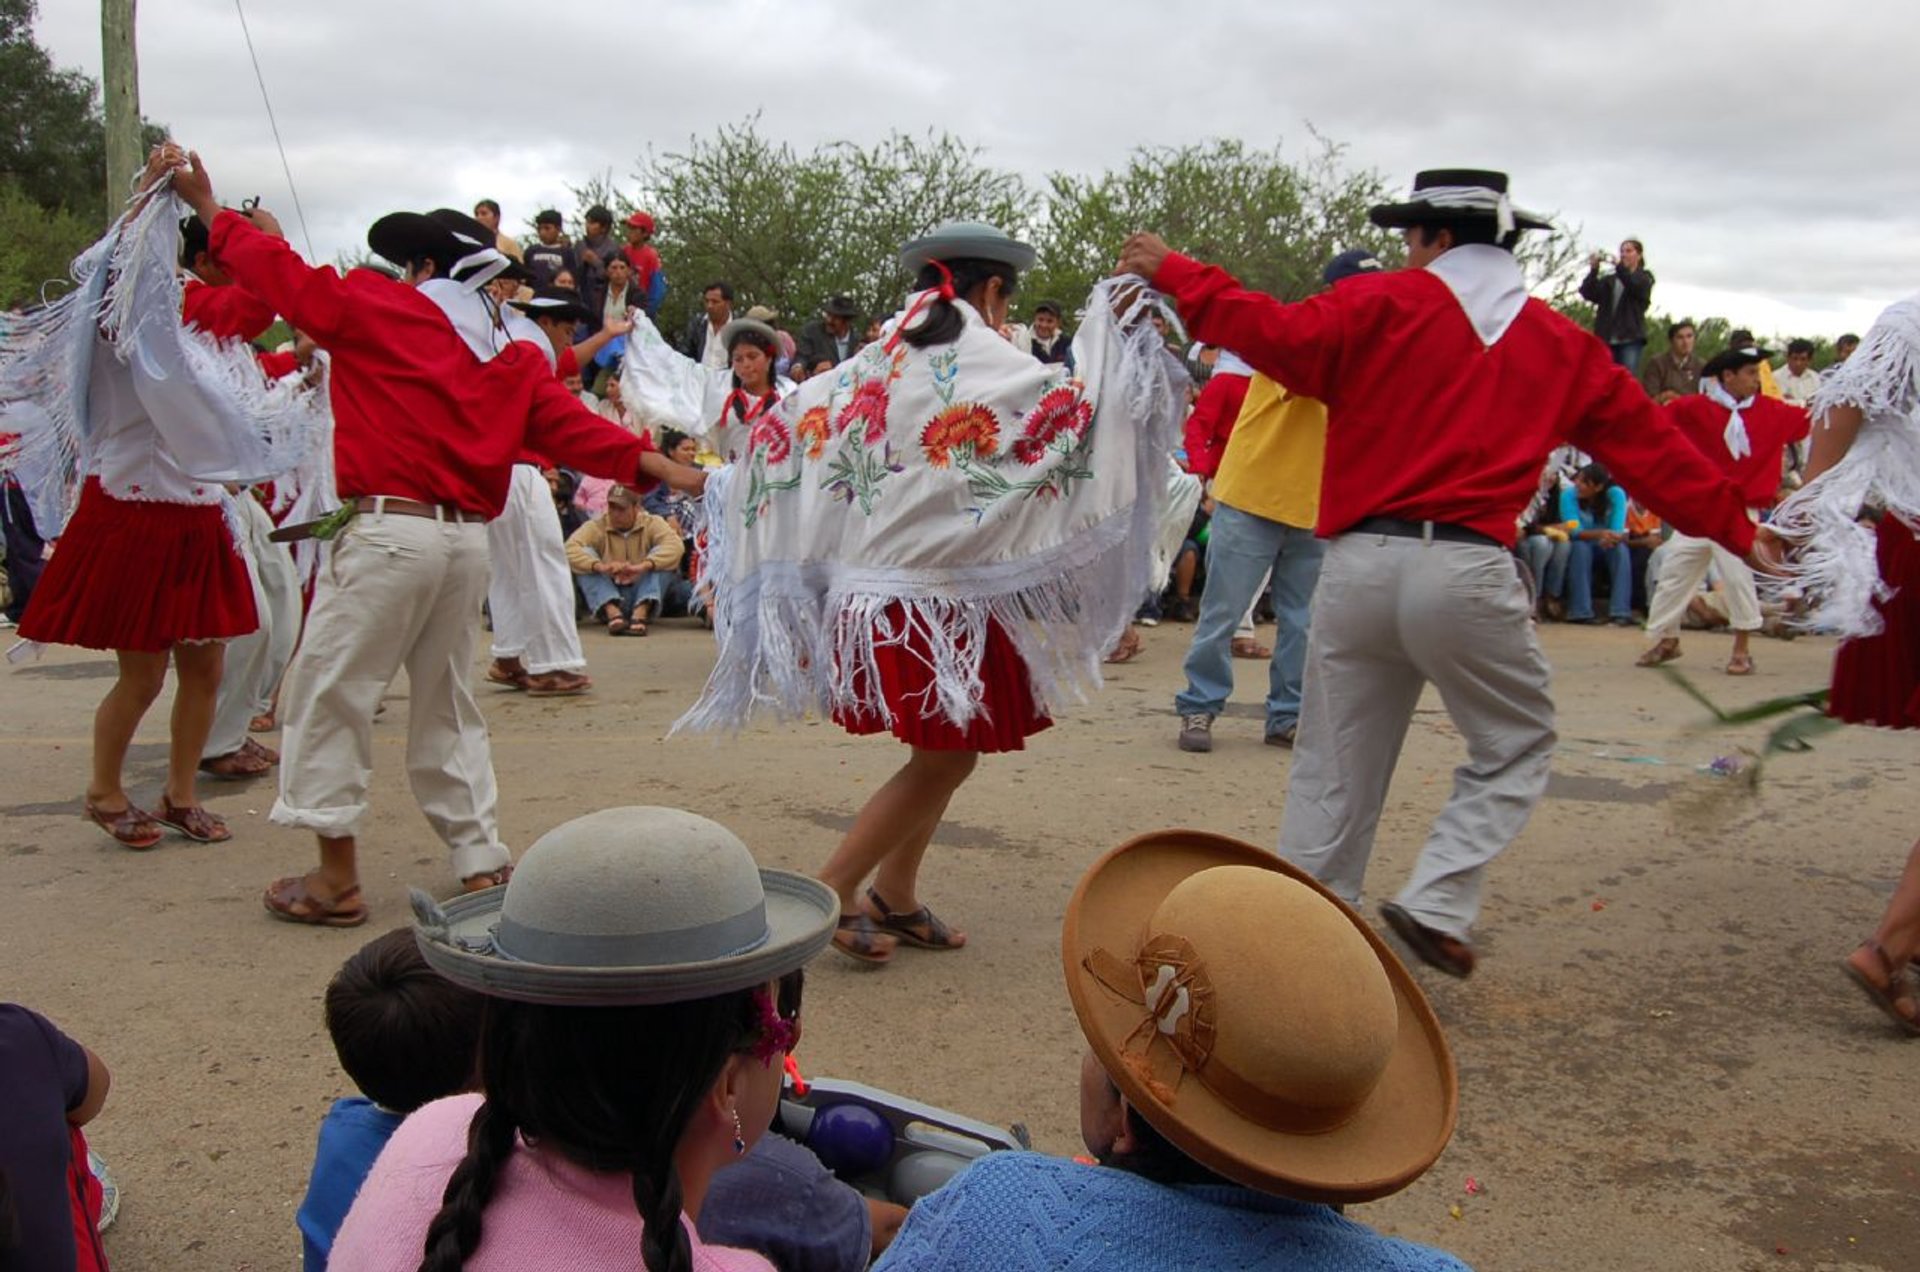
1283	736
1196	732
1147	620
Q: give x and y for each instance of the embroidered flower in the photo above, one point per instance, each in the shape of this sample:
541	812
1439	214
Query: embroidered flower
770	433
812	430
965	424
868	407
1061	410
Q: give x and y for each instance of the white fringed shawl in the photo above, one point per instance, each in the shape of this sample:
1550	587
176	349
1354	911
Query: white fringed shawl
222	421
1835	564
963	483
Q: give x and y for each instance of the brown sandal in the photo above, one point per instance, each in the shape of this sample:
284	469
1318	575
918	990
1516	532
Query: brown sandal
498	675
920	927
263	724
1895	987
1248	647
1664	650
1128	649
1436	949
556	684
860	939
196	823
291	900
1740	665
131	827
236	766
487	879
266	753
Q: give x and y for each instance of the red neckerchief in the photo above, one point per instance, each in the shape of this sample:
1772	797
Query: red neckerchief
747	417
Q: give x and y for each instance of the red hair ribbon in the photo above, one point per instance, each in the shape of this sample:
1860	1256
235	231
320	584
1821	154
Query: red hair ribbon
943	292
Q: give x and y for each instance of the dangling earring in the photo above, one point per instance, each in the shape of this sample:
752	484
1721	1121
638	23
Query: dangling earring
739	1136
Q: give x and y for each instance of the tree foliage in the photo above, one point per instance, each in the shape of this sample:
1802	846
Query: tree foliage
53	147
36	247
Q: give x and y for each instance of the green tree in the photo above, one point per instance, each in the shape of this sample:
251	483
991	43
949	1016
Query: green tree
36	247
53	147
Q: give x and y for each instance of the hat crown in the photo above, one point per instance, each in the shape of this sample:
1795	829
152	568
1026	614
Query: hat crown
1484	178
633	887
1304	1016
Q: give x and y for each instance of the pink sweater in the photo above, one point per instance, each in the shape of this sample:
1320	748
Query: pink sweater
542	1206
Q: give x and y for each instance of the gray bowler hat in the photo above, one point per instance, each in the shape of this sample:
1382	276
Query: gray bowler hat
744	326
629	906
966	241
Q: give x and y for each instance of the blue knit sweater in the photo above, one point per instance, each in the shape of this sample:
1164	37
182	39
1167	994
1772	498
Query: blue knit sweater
1025	1212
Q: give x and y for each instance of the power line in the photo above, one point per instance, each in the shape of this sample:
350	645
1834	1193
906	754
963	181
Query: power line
275	125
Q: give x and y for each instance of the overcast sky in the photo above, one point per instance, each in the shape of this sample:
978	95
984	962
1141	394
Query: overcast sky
1767	152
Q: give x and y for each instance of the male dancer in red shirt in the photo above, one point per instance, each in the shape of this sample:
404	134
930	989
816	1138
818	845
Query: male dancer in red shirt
432	401
1446	388
1746	435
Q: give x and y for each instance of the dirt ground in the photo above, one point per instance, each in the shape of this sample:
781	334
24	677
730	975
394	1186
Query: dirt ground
1661	1065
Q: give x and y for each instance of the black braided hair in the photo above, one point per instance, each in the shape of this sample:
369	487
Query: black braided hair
943	323
611	1089
455	1231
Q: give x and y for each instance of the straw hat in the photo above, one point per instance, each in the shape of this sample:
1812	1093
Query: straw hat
629	906
1255	1021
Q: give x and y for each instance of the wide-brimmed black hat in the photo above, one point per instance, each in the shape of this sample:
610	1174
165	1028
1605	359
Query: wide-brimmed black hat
1733	359
1457	194
842	307
443	236
555	302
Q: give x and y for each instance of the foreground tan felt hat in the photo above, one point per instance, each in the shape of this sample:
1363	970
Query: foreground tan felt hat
1255	1021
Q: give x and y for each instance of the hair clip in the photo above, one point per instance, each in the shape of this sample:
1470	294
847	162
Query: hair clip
778	1035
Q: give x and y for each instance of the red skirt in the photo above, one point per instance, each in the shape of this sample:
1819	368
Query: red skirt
1008	716
1876	679
141	576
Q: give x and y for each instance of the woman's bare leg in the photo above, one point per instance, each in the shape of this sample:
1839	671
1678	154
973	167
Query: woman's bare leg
893	830
119	714
197	669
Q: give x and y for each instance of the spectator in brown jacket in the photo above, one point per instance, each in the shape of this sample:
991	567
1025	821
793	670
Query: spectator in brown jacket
1675	373
621	561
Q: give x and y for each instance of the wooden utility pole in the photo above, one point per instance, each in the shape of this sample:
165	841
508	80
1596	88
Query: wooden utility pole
120	75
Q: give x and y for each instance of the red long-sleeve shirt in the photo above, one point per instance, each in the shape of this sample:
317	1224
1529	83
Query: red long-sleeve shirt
415	414
1426	423
1772	426
225	313
1211	424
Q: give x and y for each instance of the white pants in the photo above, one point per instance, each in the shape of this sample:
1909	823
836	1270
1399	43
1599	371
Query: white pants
255	662
394	592
1245	630
1684	561
531	592
1391	615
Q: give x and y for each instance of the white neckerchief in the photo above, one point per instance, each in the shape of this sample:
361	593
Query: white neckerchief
486	328
1231	363
1486	281
1738	444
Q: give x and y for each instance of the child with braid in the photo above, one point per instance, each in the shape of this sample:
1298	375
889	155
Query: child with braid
642	980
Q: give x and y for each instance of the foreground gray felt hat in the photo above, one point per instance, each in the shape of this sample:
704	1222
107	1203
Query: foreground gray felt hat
629	906
742	326
966	241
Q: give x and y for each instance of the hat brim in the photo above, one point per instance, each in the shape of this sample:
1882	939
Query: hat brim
409	236
966	247
1401	216
1394	1136
801	914
532	309
1721	362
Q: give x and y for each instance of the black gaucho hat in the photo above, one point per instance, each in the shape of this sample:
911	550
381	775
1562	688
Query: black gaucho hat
554	302
1732	360
443	236
1456	194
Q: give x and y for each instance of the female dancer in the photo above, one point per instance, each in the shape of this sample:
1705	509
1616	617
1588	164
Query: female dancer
937	539
716	404
1866	452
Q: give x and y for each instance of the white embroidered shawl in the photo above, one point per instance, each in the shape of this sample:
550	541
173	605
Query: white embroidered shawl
663	387
1836	564
222	421
962	483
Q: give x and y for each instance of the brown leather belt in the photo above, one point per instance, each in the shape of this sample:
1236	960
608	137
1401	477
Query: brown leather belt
394	507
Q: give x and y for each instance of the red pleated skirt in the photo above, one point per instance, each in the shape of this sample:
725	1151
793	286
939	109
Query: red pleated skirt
1008	718
142	576
1876	679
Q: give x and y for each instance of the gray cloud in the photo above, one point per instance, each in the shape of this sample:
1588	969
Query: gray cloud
1763	151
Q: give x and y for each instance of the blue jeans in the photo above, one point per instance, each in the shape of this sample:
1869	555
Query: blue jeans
1628	354
1580	579
1241	548
1547	562
598	590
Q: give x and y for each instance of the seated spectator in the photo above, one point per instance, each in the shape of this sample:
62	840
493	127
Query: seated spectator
405	1036
1645	534
629	1050
663	501
1543	546
621	561
1676	372
1595	510
53	1086
549	254
1798	380
781	1201
1255	1057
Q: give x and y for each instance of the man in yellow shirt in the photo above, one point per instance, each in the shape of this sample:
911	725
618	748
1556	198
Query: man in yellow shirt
1267	498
